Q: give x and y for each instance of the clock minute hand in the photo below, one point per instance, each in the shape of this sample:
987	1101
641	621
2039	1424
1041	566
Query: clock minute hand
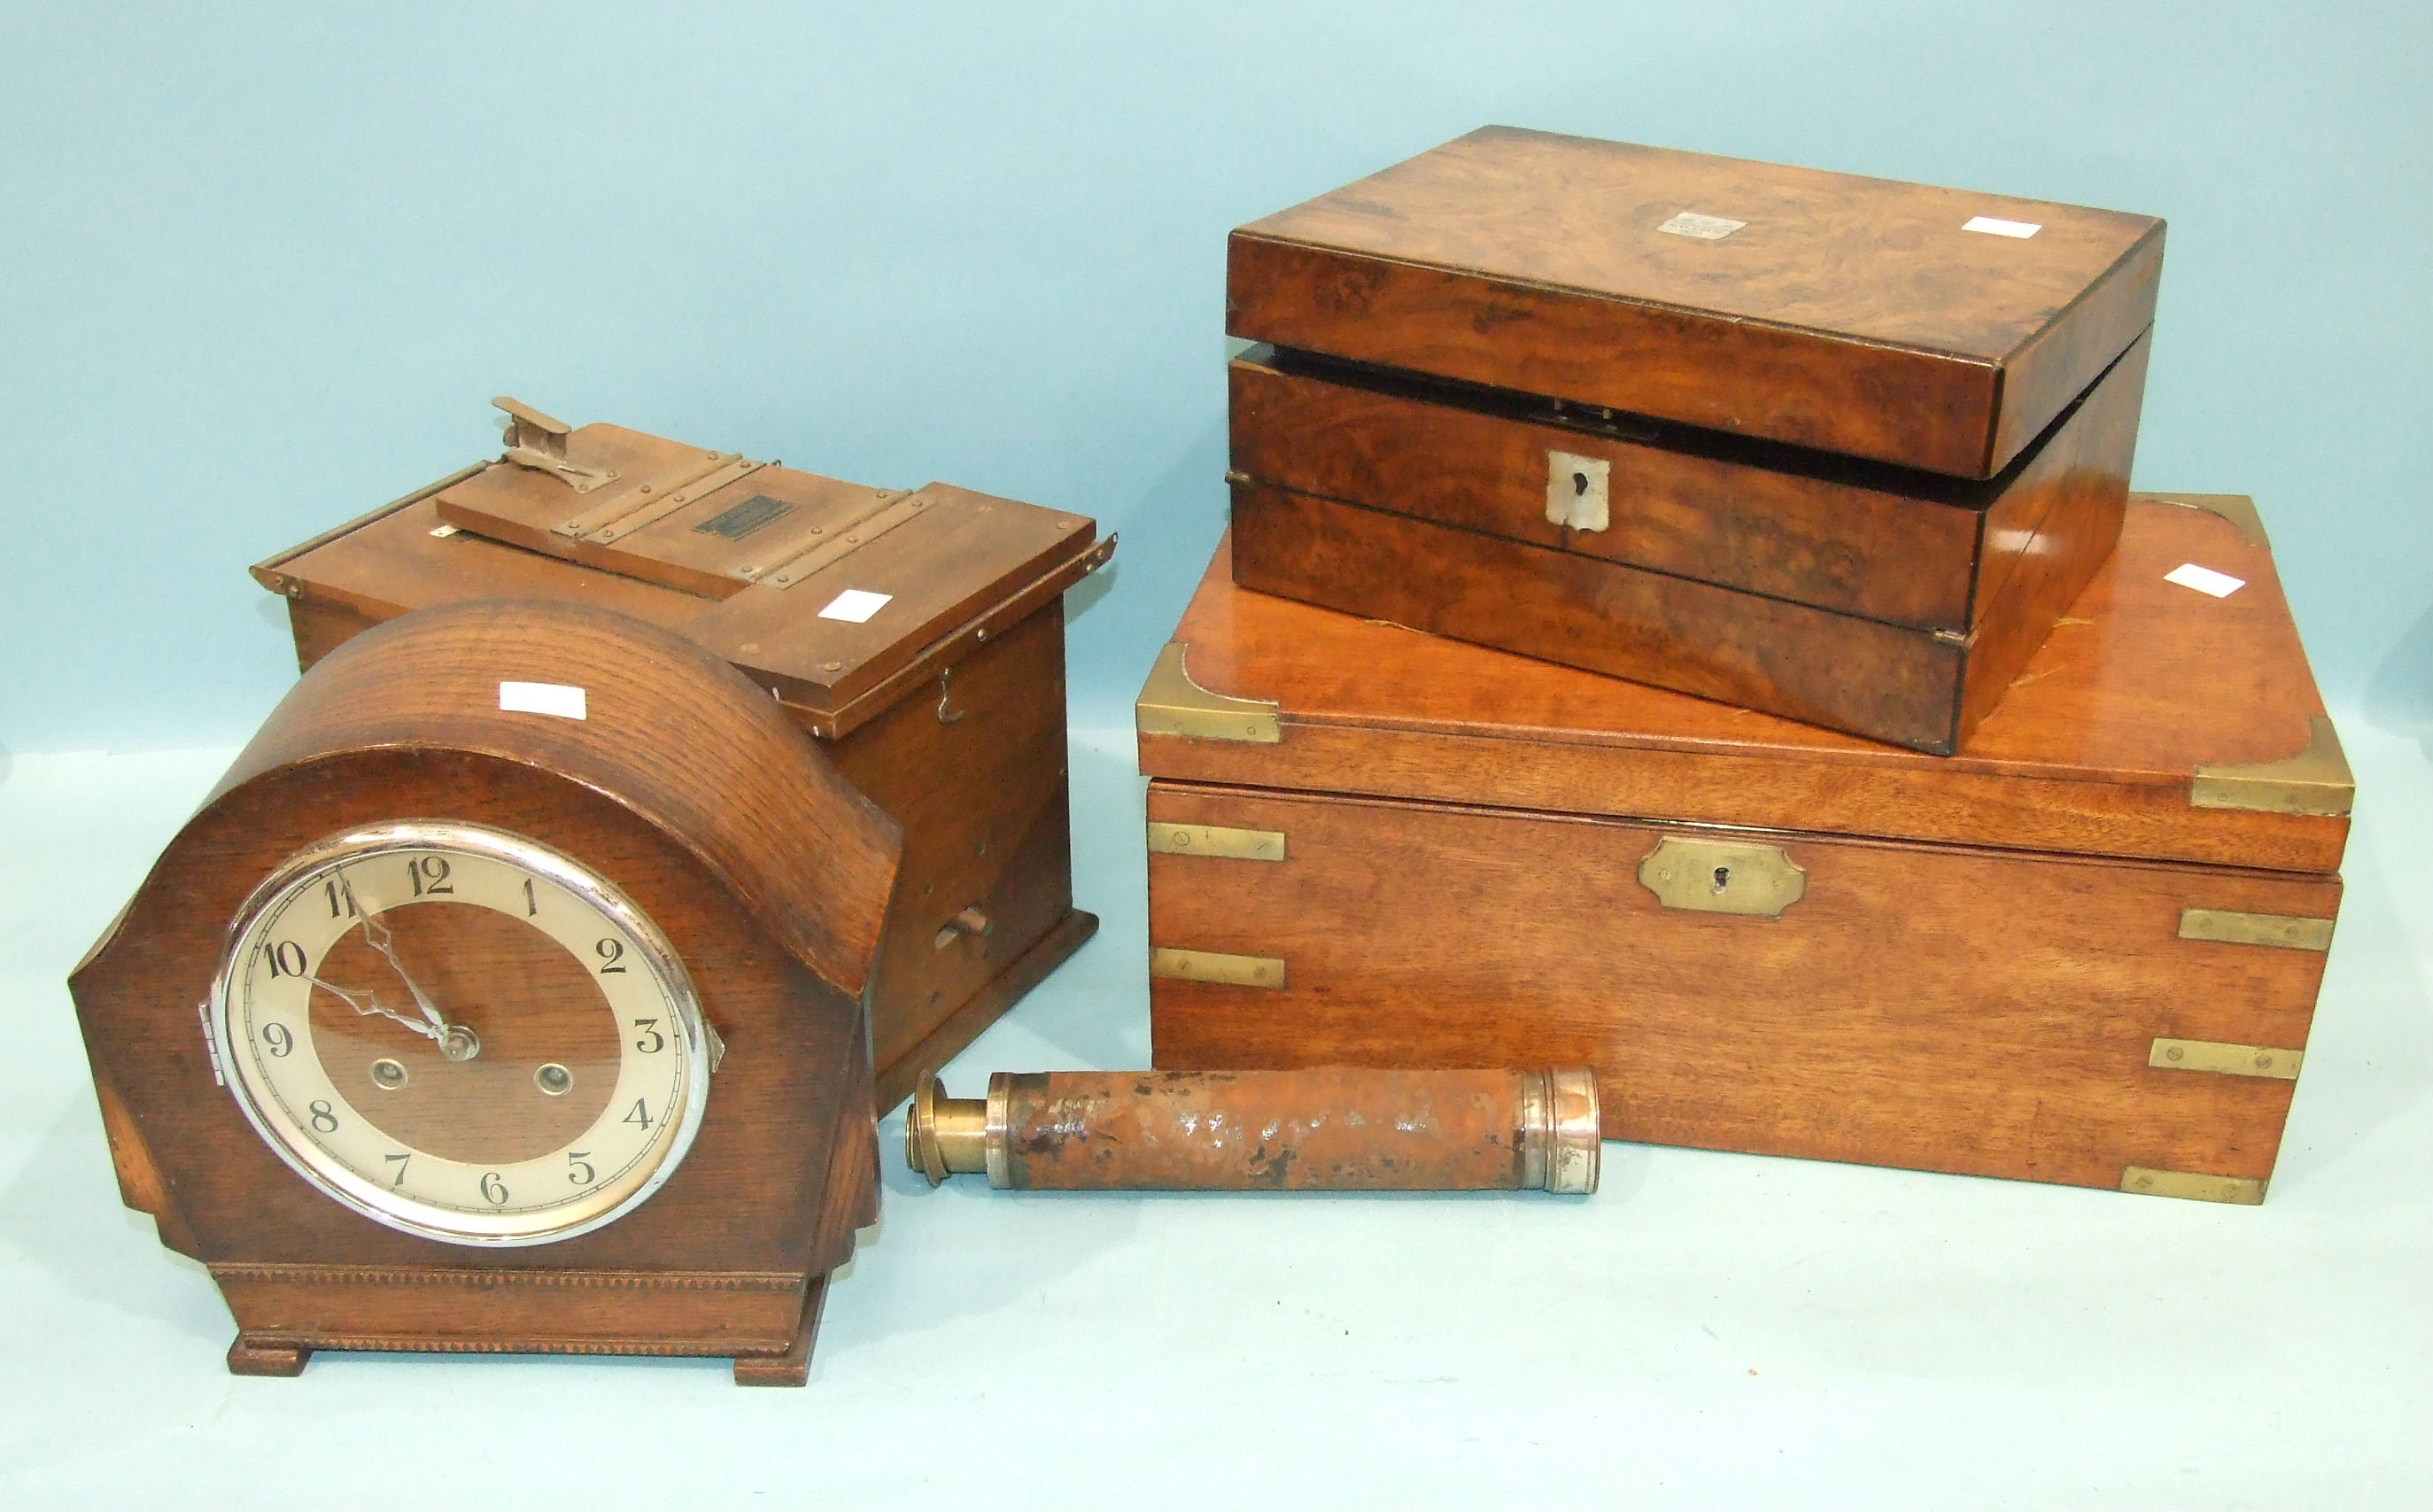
385	943
456	1042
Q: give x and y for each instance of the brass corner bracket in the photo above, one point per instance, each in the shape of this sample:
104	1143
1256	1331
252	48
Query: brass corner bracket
2219	1058
1171	703
2195	1186
1217	841
2236	508
2280	930
2314	781
1216	966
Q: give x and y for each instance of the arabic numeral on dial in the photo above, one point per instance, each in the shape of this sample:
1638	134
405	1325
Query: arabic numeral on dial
429	875
652	1041
323	1119
401	1162
639	1114
578	1168
493	1190
342	898
611	951
286	959
280	1037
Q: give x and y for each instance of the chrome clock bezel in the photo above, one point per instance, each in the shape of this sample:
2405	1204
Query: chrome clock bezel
349	1188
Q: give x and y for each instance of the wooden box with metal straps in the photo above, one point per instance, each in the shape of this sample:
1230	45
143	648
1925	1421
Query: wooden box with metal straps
2085	950
918	634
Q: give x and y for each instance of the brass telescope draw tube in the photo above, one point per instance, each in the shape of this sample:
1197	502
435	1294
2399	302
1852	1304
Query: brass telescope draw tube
1327	1131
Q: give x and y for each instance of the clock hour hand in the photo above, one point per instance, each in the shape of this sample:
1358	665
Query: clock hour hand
369	1005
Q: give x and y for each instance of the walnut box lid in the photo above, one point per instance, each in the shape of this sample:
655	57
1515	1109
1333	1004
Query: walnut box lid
1940	329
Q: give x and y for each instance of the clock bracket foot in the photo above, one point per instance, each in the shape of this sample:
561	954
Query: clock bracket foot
254	1355
793	1368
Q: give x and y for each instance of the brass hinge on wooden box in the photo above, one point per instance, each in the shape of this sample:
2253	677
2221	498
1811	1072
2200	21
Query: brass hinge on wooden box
1217	841
1171	703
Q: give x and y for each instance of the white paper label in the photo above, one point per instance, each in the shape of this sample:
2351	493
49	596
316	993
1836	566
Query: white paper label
1992	226
443	532
855	606
1705	228
543	698
2205	580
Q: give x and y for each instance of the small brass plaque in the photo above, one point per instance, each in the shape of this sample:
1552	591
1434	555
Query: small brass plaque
1217	841
2227	1059
2288	932
1723	876
1214	967
739	520
2246	1191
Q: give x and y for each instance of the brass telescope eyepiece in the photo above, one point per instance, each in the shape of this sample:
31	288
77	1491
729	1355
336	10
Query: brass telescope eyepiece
946	1137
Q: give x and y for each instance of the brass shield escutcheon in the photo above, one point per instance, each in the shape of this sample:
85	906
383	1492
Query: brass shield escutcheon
1723	876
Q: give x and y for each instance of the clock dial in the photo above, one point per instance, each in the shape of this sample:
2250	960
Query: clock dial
462	1033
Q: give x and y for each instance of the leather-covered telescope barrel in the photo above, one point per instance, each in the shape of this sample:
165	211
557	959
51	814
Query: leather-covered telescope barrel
1265	1130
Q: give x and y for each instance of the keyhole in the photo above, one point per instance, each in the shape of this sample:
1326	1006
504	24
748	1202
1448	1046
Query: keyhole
1723	877
1579	484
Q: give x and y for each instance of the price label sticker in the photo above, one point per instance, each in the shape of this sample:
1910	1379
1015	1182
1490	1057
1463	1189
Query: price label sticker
556	699
2205	580
1701	228
855	606
1992	226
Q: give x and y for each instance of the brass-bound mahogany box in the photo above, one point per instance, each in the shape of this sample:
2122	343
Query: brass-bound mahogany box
2085	950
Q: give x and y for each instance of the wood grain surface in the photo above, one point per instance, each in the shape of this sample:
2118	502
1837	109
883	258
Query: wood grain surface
2094	749
968	568
1833	669
948	714
1850	314
688	790
1942	1007
1896	545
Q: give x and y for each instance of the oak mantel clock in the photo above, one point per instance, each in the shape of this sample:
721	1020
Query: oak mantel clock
507	995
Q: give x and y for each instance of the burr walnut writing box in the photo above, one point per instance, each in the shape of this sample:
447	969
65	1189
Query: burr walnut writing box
919	634
2086	950
1831	447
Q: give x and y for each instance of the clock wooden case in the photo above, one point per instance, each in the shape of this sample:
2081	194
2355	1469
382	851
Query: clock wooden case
919	635
648	764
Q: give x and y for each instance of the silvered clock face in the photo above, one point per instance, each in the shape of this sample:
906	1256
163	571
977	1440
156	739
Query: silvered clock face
460	1033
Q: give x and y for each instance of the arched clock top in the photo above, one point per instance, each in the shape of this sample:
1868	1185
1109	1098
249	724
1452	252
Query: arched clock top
640	715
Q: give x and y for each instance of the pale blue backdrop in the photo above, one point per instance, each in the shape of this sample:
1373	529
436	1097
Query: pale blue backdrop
263	266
